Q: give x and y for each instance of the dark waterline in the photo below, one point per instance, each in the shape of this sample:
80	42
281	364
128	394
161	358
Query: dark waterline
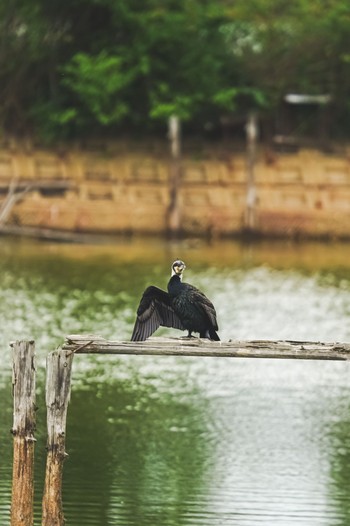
176	441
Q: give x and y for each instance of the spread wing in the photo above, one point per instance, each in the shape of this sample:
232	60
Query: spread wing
154	310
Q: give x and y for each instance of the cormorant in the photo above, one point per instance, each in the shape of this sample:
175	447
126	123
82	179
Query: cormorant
182	307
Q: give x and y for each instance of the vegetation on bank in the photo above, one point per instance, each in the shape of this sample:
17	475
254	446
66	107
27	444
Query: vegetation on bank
71	68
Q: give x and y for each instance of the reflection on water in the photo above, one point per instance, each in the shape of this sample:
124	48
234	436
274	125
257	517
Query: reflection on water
168	441
139	438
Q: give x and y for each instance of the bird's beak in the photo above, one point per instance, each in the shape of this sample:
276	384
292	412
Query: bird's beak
179	269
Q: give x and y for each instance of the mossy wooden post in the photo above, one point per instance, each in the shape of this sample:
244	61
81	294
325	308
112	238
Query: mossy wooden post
23	386
58	386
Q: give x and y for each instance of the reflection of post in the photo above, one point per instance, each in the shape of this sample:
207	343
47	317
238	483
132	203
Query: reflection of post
252	134
58	383
173	220
23	386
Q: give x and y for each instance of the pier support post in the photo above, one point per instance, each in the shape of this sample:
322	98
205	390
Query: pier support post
23	388
58	386
250	222
173	219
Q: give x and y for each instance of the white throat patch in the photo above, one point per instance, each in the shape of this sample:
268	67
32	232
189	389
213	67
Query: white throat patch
173	273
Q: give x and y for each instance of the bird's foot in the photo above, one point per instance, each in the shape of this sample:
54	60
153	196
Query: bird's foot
189	335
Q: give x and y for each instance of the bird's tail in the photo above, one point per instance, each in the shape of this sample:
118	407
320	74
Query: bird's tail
214	335
211	334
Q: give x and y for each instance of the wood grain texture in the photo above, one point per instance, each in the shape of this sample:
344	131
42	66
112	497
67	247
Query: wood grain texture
281	349
58	388
23	388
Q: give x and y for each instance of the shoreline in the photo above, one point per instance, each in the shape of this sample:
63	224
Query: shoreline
127	192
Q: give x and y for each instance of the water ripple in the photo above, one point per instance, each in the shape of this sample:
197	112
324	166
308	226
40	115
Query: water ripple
183	441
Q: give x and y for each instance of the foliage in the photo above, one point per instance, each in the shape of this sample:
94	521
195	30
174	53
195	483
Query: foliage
99	82
71	66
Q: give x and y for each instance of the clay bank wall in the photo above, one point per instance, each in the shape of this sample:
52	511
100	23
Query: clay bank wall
119	189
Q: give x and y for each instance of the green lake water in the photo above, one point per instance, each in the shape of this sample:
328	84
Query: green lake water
171	441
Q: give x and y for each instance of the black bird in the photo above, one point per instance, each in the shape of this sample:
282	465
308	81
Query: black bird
182	307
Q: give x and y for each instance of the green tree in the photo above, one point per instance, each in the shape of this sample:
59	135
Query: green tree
298	46
172	59
69	67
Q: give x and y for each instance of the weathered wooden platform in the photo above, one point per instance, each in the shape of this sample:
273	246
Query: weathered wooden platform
58	388
281	349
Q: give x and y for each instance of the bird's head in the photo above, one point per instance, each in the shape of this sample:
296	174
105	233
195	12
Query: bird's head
177	268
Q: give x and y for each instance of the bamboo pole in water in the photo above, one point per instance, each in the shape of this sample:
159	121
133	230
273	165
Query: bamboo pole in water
23	387
202	347
58	387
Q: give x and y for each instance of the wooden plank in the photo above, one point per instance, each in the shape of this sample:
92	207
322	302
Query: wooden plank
302	350
23	386
58	386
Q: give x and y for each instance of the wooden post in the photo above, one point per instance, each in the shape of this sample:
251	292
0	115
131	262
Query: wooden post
58	385
252	133
23	386
173	222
